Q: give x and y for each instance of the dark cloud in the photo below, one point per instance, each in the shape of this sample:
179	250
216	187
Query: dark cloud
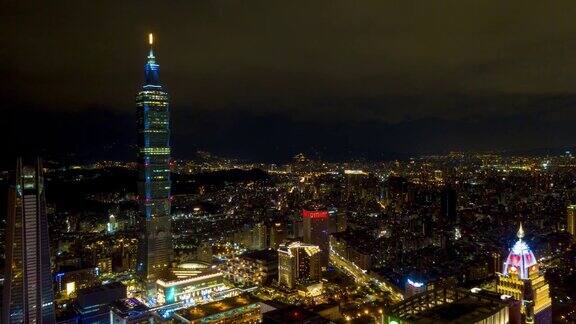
357	70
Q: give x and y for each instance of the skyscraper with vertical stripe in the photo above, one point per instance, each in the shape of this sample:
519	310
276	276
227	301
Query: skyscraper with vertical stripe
28	296
155	253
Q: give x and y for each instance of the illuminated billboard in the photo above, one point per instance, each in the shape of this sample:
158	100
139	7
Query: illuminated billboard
315	214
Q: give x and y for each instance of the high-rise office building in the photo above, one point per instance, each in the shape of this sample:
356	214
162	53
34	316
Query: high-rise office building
28	295
316	231
204	252
495	262
277	235
155	251
570	220
298	263
522	280
449	218
448	207
259	237
341	220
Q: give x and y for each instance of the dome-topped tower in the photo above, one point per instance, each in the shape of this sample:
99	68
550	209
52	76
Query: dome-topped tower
520	260
522	280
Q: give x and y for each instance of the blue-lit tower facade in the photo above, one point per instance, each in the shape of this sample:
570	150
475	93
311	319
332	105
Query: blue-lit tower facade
155	252
28	296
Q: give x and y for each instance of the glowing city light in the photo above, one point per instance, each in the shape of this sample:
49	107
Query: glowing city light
415	283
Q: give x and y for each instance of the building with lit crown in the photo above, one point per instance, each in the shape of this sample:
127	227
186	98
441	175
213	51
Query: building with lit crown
315	224
522	280
155	251
28	295
298	263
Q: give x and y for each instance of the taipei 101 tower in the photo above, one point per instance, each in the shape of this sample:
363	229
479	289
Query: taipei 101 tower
155	250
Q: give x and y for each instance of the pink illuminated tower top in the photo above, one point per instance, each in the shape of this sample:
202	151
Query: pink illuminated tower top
521	260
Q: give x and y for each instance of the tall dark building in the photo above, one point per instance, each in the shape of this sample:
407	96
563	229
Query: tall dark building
449	217
571	220
28	295
316	232
448	207
277	235
156	252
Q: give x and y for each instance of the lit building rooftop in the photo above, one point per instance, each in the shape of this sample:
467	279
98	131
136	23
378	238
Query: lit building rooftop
453	305
293	314
198	312
190	269
262	255
193	265
130	308
309	248
464	311
205	274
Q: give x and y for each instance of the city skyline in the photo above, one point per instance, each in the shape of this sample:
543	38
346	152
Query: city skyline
321	162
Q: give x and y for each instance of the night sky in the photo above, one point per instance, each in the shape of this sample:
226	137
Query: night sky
263	80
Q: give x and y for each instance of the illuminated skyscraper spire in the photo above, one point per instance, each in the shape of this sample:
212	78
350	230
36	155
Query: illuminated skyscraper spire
521	258
152	69
522	280
155	255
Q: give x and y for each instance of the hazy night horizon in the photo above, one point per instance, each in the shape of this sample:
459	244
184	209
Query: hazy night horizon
435	78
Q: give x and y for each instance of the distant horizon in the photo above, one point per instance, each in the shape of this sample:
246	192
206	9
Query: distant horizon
369	80
259	136
543	152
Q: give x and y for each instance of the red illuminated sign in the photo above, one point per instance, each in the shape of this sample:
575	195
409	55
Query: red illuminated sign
315	214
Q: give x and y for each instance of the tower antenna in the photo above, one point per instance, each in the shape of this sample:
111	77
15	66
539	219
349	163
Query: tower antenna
520	233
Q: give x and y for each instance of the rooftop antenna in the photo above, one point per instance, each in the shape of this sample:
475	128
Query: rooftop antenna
151	43
520	233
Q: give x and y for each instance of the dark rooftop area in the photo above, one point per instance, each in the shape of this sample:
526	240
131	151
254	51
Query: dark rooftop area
264	255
